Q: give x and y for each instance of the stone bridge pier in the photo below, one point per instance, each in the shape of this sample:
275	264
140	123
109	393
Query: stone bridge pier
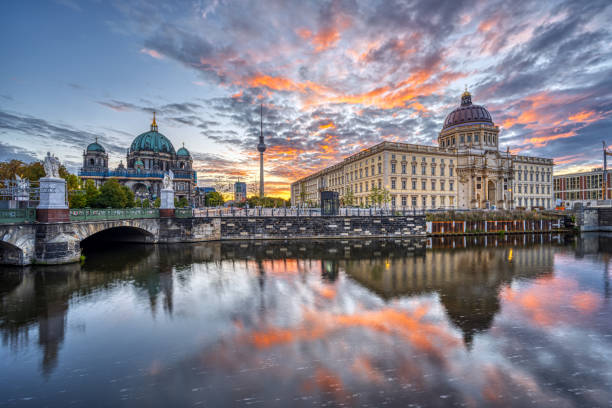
60	242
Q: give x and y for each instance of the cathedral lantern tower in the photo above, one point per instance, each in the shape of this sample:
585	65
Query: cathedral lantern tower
95	158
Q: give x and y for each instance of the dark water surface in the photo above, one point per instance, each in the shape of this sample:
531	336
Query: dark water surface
509	321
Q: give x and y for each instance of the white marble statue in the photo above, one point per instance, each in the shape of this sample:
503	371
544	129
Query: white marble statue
51	165
167	183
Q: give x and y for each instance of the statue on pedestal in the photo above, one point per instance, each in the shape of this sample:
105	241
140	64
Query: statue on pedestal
51	165
168	181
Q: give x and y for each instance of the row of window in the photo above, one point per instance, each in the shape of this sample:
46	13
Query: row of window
533	202
488	139
424	201
522	188
522	176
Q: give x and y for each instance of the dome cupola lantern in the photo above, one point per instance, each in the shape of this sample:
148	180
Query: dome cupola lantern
153	124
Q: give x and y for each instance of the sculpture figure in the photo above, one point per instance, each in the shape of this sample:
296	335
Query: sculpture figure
51	165
167	183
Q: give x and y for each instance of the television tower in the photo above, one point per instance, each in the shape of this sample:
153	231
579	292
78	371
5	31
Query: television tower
261	147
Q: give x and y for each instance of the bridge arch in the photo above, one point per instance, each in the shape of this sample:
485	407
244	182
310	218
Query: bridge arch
145	230
17	244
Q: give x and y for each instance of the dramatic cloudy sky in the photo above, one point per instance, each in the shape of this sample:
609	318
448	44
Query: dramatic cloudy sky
334	77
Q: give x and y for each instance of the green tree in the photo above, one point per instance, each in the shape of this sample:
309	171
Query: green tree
91	194
214	199
77	199
348	199
129	197
146	203
181	203
157	202
113	195
379	196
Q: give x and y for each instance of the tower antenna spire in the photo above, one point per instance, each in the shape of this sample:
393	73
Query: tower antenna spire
261	147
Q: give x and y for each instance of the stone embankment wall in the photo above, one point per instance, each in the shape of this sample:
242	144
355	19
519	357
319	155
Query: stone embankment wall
594	219
321	227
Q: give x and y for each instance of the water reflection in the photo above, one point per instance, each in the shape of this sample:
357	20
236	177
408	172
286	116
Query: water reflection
510	320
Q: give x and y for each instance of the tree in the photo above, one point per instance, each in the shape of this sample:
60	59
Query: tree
181	203
91	193
146	203
129	197
157	202
113	195
77	199
379	196
214	199
348	199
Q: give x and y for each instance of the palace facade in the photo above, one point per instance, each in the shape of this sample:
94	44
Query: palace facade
149	157
465	171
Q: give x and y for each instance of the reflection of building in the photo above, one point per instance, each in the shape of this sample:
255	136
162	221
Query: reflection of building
466	170
239	191
467	281
584	187
149	157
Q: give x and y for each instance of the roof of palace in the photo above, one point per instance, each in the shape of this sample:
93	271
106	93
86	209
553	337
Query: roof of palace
467	113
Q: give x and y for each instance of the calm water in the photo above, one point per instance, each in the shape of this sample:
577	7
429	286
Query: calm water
527	322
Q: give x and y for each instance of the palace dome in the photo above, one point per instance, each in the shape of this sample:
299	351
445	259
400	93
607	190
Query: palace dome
467	113
95	147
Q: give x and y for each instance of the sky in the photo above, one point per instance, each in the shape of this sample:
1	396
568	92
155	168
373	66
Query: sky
334	77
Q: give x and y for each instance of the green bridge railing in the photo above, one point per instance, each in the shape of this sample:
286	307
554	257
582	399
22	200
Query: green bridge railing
17	215
183	212
101	214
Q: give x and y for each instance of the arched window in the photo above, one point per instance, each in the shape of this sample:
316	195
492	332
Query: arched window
91	162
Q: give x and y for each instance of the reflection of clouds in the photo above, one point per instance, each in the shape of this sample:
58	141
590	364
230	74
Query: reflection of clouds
549	301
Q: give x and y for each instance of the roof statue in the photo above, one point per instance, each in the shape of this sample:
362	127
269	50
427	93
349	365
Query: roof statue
167	183
51	165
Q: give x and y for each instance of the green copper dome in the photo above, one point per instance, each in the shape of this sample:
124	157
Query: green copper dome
152	141
95	147
182	152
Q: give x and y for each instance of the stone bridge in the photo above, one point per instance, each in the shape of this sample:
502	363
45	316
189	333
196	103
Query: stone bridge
30	242
57	243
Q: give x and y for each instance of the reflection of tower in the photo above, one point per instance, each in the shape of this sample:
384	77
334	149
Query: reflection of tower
261	147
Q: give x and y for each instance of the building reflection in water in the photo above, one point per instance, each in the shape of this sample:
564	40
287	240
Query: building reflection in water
465	273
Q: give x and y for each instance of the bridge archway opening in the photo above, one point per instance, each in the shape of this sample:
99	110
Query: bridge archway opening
10	254
117	236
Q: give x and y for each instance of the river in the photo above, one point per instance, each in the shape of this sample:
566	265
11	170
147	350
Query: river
521	320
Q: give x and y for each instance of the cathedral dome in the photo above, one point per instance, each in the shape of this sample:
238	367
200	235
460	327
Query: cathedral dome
152	141
183	152
467	113
95	147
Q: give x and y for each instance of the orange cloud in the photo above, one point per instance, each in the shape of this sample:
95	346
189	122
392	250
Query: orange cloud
152	53
327	126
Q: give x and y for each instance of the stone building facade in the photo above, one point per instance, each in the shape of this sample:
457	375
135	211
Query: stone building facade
466	170
149	157
582	187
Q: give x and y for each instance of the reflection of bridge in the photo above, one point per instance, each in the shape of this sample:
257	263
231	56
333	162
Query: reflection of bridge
24	241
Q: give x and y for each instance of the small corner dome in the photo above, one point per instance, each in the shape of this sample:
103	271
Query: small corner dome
183	152
95	147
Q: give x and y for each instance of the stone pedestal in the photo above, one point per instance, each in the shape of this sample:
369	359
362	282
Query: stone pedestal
52	206
166	209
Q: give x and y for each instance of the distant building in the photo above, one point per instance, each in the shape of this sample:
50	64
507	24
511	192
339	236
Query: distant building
583	187
149	157
466	170
200	195
240	191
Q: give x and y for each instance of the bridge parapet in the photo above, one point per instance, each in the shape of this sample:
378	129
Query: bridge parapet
103	214
17	215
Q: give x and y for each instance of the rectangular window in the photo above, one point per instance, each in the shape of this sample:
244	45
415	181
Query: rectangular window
392	184
423	185
441	171
379	168
469	138
404	201
424	201
433	184
413	169
476	137
433	201
450	171
450	185
461	139
433	171
442	185
423	170
414	200
414	184
379	183
403	184
393	168
403	168
392	201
